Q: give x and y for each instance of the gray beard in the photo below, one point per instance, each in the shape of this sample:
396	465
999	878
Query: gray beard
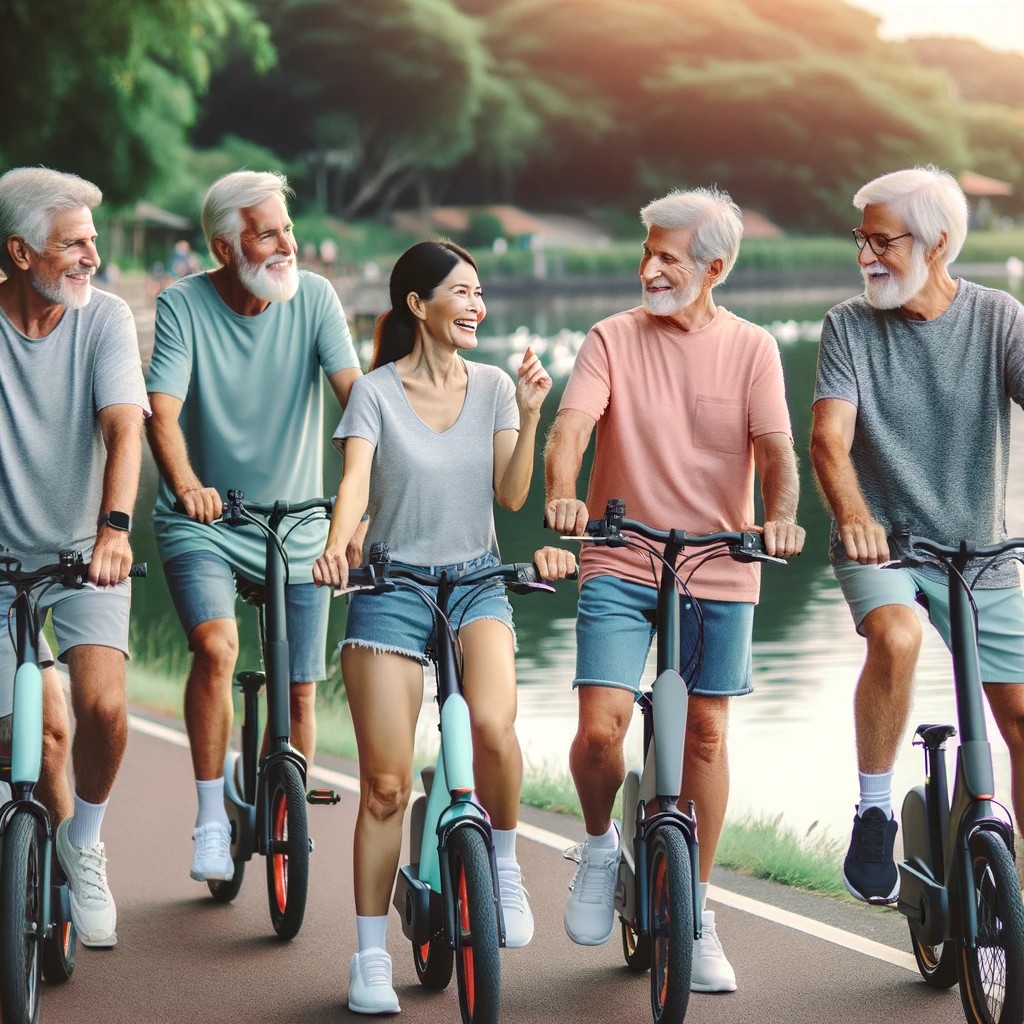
258	281
897	289
60	294
668	303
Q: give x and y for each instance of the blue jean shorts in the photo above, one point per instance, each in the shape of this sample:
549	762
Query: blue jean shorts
1000	612
203	587
615	627
401	622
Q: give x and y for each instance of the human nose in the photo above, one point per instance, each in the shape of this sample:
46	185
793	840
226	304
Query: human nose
650	268
91	256
866	255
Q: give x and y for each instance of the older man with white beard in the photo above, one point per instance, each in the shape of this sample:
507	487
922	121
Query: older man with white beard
912	424
72	399
235	385
690	401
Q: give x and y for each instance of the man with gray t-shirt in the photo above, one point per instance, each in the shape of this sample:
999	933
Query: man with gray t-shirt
72	400
912	424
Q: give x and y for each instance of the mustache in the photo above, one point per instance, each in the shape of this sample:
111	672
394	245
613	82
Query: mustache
272	261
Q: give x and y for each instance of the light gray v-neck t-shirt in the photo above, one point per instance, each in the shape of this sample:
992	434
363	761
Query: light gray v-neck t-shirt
431	494
931	445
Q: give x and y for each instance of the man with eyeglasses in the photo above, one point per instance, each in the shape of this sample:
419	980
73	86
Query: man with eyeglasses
912	424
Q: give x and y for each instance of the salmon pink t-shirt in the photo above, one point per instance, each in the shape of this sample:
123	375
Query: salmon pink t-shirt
677	412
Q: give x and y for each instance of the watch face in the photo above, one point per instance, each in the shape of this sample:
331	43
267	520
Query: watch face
117	520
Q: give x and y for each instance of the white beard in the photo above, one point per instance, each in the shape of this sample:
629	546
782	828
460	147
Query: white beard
264	285
62	294
891	290
668	303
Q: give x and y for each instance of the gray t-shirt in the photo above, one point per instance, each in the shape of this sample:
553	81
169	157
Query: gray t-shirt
52	455
431	494
931	442
253	409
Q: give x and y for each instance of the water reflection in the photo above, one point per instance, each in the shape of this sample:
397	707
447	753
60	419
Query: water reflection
792	739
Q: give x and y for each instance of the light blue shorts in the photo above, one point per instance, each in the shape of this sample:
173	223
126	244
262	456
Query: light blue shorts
615	627
401	622
1000	612
203	587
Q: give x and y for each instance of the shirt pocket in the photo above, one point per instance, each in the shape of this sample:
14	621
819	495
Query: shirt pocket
721	425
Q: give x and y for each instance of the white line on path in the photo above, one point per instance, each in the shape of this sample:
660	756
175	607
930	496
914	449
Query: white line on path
756	908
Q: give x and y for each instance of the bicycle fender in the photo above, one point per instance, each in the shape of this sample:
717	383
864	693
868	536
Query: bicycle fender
670	702
27	745
458	750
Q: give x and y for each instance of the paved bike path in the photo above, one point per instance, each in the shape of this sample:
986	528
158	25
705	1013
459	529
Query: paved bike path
182	958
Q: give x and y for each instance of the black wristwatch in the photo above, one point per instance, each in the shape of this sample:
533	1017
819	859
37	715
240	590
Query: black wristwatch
116	521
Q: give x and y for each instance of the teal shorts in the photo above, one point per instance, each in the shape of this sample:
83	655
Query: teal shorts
1000	612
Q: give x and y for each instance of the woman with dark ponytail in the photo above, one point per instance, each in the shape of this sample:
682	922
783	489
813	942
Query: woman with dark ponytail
430	439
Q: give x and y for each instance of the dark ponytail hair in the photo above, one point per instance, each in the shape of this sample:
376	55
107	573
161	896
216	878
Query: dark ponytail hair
419	269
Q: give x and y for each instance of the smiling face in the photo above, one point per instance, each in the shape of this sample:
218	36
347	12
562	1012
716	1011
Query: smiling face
266	250
62	272
672	280
894	278
456	308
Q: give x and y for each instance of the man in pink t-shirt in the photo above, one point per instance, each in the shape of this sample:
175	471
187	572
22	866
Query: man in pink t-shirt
688	401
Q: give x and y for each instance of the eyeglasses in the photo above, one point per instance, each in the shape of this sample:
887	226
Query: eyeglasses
878	243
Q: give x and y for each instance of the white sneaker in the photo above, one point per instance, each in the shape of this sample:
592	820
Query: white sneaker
369	983
212	856
711	972
514	906
590	912
92	906
5	794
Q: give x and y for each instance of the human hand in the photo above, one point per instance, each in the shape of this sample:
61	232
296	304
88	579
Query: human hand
866	543
783	539
203	504
567	516
533	384
111	557
331	568
554	563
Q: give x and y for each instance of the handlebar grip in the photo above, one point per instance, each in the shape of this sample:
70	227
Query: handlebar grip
139	569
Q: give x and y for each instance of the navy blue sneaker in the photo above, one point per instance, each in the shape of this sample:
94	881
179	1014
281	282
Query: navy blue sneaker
869	871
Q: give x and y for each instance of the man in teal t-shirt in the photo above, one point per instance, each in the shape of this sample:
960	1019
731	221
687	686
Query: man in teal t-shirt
237	396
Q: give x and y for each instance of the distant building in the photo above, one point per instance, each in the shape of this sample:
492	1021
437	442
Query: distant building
984	194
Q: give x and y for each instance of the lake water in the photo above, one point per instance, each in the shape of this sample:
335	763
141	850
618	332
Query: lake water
791	741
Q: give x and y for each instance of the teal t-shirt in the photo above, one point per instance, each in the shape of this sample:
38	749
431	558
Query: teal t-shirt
253	409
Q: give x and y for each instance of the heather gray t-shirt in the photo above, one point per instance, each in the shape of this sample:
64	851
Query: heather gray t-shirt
431	494
931	445
52	455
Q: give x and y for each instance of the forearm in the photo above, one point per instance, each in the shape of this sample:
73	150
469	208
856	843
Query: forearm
780	489
838	484
123	442
353	496
514	485
563	459
170	453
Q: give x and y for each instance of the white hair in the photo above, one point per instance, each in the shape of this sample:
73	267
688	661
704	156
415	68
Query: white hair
234	192
716	221
927	199
30	199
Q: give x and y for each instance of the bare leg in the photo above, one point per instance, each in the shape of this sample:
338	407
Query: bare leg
384	696
882	700
706	772
101	719
208	707
1007	703
52	789
596	758
489	682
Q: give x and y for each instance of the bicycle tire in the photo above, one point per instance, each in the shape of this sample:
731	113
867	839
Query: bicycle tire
225	892
434	962
671	916
937	964
992	973
20	921
61	943
636	948
477	967
288	852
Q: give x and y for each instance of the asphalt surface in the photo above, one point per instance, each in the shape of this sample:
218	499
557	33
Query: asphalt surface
182	958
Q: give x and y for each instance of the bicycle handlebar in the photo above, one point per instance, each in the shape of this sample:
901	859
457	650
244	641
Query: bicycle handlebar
71	572
236	506
377	576
905	547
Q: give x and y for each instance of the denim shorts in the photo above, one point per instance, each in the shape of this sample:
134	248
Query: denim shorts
401	622
88	617
615	627
203	587
1000	612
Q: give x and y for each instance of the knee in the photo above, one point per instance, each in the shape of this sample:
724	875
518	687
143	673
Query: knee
386	795
493	736
893	639
596	735
705	740
303	702
55	741
215	649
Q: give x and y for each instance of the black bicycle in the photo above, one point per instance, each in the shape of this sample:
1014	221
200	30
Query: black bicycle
37	937
448	896
656	895
958	886
265	797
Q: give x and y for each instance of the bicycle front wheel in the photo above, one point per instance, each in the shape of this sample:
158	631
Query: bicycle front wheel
671	917
476	928
21	924
992	973
288	852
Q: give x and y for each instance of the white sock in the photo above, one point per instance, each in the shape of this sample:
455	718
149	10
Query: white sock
504	840
875	791
702	889
84	829
609	841
372	932
211	802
